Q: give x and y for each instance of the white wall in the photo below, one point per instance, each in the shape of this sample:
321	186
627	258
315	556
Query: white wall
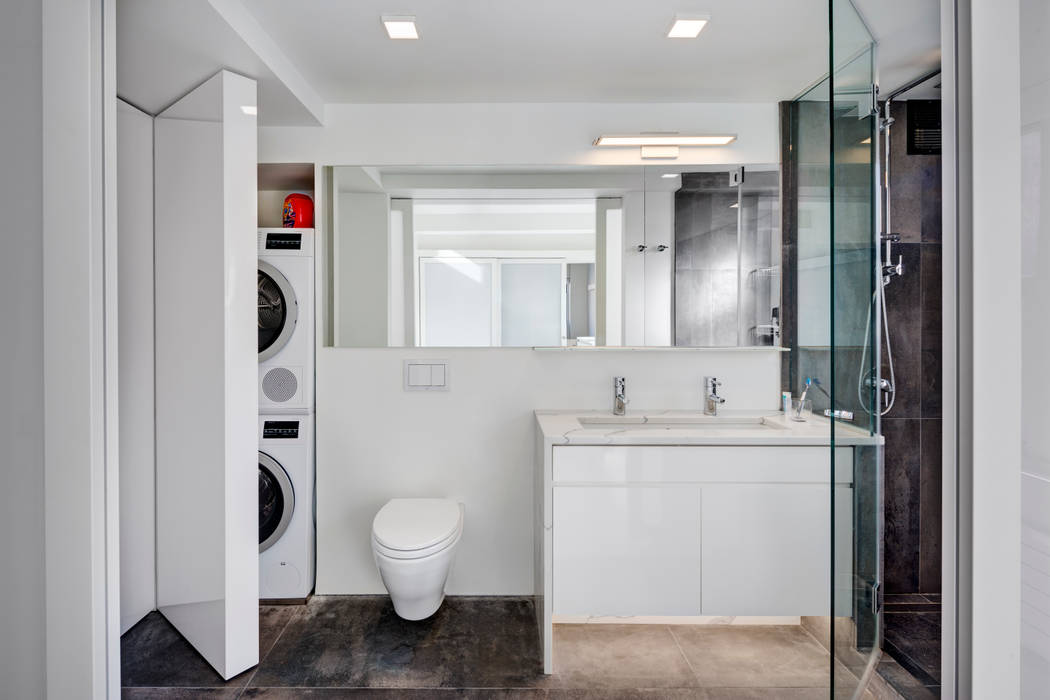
517	134
21	356
993	107
475	442
1035	290
135	283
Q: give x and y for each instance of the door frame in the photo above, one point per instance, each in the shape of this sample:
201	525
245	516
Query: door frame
81	504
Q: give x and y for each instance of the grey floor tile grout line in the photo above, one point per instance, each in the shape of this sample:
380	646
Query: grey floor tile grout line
681	651
836	659
262	657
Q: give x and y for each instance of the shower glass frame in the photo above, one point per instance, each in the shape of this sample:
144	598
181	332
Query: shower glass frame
854	357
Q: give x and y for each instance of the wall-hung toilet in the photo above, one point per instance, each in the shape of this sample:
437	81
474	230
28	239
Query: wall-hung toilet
414	541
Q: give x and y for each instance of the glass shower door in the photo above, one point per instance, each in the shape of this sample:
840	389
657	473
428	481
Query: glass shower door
853	372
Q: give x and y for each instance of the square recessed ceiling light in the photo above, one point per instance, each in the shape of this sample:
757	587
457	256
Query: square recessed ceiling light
400	27
668	176
687	27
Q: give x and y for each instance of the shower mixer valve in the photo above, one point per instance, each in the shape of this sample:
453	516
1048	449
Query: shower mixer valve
884	386
893	270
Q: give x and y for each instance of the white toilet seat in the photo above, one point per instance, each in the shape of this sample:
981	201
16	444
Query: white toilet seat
379	548
417	524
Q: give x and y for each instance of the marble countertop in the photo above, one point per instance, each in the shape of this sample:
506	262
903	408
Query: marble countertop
567	427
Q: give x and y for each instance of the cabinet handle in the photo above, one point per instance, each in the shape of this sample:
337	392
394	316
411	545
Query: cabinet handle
642	247
661	248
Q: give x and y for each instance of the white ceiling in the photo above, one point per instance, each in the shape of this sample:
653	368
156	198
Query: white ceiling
165	49
551	50
909	36
310	52
584	50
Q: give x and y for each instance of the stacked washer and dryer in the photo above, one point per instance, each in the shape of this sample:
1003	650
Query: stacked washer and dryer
286	420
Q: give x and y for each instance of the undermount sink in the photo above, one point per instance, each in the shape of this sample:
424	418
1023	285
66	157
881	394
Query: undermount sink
688	422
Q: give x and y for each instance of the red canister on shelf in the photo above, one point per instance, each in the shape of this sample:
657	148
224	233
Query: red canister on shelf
298	211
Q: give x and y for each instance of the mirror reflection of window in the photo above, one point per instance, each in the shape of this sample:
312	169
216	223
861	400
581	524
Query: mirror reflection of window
532	308
497	272
456	305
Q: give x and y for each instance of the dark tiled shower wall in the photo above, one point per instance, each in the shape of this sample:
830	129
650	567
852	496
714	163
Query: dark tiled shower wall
912	479
912	553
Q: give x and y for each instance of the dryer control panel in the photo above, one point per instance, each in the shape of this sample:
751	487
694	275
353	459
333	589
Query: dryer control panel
281	430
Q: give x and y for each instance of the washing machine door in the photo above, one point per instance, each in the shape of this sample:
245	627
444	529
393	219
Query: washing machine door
278	310
276	501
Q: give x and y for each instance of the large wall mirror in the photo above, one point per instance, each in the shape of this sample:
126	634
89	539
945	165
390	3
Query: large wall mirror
643	256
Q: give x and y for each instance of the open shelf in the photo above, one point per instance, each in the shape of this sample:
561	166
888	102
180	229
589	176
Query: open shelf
277	181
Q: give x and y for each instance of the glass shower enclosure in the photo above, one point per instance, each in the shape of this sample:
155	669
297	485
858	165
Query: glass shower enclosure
831	325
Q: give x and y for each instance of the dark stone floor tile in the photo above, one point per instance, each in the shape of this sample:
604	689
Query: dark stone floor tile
932	597
154	654
493	694
359	641
395	694
903	682
471	642
180	693
923	607
323	645
272	621
899	598
913	639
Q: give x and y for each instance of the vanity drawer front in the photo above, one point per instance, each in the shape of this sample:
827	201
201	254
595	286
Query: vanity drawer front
705	463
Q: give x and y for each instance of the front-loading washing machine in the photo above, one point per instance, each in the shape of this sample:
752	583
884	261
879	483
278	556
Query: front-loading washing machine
286	320
286	506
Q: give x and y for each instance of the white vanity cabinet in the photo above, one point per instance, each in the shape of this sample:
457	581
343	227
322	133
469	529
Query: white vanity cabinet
725	530
678	514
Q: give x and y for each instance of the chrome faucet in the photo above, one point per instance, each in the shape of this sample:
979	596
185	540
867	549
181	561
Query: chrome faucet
711	397
619	396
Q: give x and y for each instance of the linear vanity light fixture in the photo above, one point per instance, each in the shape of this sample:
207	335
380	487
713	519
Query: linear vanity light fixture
665	145
687	26
400	26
